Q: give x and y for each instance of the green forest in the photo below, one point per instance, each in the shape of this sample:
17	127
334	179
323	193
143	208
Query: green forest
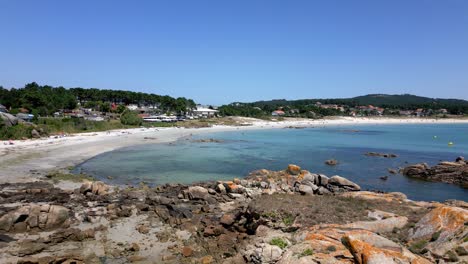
308	108
46	100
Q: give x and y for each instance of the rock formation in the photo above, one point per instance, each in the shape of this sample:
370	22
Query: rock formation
288	216
448	172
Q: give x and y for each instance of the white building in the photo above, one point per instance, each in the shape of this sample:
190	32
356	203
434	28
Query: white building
205	112
132	107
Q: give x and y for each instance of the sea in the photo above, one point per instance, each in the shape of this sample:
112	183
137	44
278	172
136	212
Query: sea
236	153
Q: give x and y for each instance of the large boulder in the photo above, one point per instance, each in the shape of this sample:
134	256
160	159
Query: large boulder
34	216
96	188
197	193
387	197
384	222
293	169
448	172
318	246
442	231
9	120
337	244
343	183
370	248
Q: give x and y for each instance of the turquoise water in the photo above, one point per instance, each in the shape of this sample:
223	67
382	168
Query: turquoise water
244	151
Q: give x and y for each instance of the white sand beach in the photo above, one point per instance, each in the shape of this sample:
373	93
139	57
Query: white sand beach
25	160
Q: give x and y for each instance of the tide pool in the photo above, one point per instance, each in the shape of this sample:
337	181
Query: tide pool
241	152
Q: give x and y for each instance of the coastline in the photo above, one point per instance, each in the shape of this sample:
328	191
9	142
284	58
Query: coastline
26	160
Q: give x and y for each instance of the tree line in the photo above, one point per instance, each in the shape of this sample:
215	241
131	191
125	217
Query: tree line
46	100
308	107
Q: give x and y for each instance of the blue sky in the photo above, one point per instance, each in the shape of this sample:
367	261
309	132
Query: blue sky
222	51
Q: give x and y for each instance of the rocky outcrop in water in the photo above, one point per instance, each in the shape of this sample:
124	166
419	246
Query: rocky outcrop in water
448	172
383	155
289	216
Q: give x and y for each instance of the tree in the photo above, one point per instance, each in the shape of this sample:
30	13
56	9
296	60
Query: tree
130	118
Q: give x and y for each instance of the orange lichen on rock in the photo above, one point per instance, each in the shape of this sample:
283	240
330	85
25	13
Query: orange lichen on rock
293	169
364	252
446	219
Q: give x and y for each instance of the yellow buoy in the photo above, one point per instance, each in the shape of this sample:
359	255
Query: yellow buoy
450	143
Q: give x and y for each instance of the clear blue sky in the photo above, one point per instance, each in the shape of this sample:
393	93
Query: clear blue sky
222	51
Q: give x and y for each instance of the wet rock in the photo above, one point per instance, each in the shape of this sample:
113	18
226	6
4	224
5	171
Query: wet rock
331	162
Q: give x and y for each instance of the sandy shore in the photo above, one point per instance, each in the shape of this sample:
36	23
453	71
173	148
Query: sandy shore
28	159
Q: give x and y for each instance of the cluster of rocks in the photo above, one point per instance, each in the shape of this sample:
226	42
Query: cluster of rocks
294	179
215	222
9	120
448	172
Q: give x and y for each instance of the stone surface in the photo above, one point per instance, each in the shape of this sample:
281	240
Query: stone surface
293	169
197	193
449	172
343	183
444	228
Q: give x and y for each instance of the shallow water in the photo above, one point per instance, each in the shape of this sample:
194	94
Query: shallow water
243	151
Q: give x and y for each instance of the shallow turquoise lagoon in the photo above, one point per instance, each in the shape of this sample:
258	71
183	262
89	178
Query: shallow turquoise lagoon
245	151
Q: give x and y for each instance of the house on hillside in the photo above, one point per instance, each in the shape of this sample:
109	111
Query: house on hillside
277	113
3	109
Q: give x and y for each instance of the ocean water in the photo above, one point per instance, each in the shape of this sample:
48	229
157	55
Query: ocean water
186	161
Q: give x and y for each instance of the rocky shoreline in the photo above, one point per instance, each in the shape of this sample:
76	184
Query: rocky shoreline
449	172
289	216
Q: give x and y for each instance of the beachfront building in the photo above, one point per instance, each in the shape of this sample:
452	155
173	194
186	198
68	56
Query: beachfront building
205	112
